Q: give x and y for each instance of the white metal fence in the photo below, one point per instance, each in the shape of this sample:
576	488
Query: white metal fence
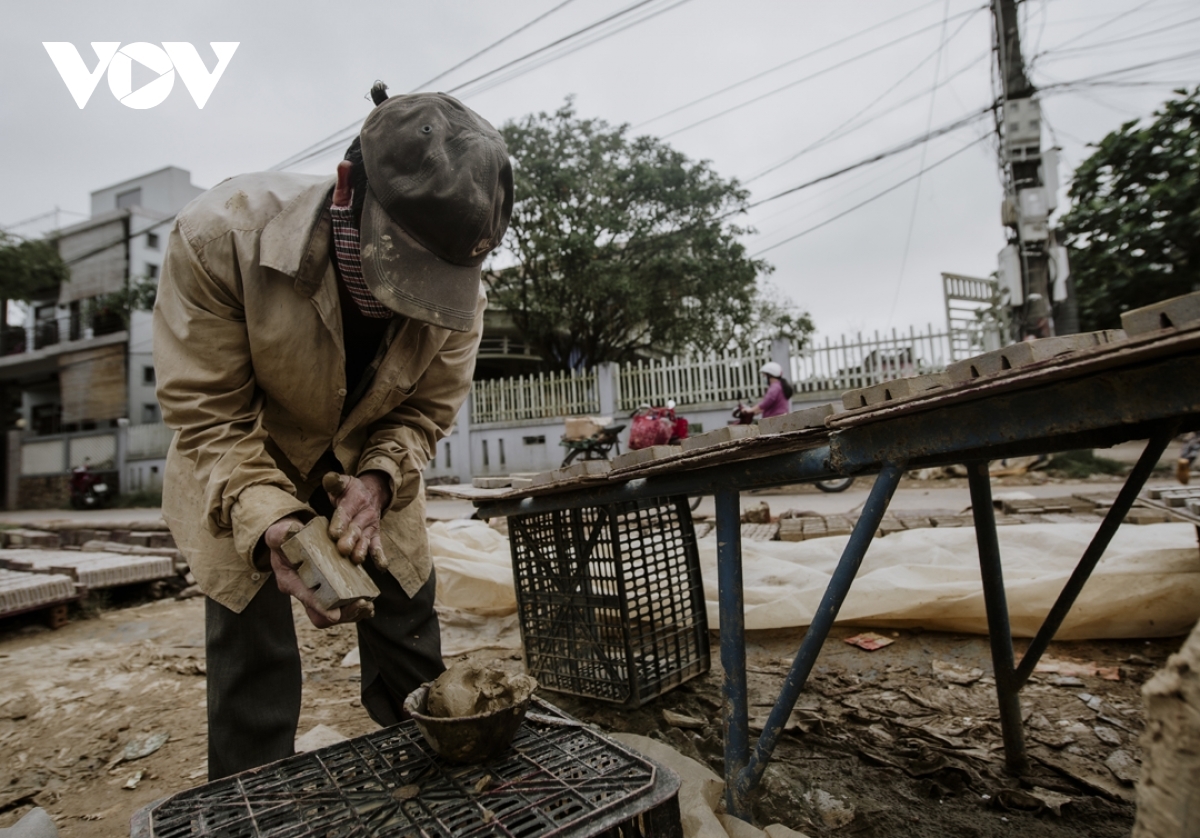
541	396
702	380
823	370
832	367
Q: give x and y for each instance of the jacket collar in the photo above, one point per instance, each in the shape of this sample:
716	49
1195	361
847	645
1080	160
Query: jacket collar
296	241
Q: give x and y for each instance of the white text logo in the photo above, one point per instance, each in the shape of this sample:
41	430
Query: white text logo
118	60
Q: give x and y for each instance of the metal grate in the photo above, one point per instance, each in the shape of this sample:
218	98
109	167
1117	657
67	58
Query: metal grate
559	778
610	599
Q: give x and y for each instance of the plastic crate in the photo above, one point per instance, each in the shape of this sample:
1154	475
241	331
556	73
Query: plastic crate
610	599
559	778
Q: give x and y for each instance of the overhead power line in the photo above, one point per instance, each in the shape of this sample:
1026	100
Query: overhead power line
1089	80
874	158
912	216
554	43
1059	52
874	197
564	51
344	135
117	242
425	84
839	131
1107	23
787	63
812	76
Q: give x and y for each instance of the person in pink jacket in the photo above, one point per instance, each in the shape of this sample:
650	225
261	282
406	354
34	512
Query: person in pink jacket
777	400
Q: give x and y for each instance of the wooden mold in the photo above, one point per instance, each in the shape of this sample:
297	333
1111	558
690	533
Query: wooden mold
334	579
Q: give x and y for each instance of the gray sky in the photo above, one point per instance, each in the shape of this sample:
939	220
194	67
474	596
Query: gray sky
302	69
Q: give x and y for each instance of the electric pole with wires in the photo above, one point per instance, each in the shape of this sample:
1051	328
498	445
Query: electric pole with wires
1033	267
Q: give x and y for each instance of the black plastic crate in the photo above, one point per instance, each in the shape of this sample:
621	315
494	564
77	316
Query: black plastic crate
559	778
610	599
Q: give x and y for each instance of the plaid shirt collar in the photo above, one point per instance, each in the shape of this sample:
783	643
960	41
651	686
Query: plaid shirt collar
349	263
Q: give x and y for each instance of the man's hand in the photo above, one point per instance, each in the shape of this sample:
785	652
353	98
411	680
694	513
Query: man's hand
290	583
360	502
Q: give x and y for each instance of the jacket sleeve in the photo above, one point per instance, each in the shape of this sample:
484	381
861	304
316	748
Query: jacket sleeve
209	396
401	443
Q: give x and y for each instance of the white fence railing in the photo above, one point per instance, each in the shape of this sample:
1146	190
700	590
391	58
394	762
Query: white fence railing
539	396
703	380
831	368
820	371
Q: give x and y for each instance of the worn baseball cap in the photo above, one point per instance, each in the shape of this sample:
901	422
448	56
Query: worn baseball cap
439	198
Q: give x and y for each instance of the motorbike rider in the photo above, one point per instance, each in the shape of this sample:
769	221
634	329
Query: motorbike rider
776	401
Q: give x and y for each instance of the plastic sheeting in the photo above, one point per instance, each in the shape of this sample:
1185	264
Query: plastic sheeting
1147	584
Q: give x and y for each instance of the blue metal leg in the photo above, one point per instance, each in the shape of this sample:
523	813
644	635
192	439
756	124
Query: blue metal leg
999	630
1091	557
736	709
814	638
1010	677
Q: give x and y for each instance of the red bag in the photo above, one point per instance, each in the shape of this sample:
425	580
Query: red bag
650	427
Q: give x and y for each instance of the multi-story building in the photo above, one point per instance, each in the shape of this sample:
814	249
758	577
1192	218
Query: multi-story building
82	360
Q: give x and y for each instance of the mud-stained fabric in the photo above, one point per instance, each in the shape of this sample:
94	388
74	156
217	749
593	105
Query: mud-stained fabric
249	353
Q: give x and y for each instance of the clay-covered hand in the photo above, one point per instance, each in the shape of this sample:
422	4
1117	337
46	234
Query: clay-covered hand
360	502
290	583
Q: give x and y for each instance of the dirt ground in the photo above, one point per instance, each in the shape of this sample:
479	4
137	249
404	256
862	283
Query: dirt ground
902	741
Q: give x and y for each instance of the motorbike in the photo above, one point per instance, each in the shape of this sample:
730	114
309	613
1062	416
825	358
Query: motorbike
88	489
598	446
659	426
742	416
656	426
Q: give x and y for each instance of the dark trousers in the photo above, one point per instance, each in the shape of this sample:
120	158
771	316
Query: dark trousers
254	669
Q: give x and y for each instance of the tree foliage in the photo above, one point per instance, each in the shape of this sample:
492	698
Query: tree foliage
30	269
621	245
1134	224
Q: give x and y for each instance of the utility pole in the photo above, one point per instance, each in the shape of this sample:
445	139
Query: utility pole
1033	267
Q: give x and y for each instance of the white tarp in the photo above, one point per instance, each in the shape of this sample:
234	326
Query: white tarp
1147	584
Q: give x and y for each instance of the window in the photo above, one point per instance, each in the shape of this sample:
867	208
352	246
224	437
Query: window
148	375
132	198
151	271
149	414
152	241
501	442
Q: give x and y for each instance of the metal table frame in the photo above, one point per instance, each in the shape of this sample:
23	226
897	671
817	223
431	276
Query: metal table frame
1150	398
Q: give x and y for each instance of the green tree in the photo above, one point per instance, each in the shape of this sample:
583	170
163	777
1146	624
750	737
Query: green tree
1134	224
30	269
771	315
621	245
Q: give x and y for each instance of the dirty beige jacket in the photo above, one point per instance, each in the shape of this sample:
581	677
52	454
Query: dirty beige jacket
249	358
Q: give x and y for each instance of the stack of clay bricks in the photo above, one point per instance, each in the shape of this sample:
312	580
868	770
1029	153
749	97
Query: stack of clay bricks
1180	499
42	569
1076	508
1178	314
90	570
21	592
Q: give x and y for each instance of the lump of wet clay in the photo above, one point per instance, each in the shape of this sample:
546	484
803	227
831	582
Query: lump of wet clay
471	689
